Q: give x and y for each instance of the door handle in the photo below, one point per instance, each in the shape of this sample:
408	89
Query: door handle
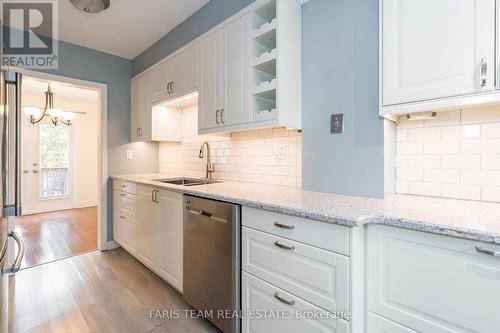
217	117
484	71
172	87
20	255
156	196
168	88
222	116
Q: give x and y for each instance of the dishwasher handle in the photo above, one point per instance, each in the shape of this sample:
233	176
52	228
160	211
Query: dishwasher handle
206	214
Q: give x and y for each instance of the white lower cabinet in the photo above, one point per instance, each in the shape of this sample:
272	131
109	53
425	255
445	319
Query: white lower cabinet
377	324
155	236
169	237
320	276
264	304
287	271
431	283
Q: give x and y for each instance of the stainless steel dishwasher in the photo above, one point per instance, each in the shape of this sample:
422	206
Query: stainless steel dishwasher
212	260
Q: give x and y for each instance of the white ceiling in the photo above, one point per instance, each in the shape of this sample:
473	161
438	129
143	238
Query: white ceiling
127	27
38	87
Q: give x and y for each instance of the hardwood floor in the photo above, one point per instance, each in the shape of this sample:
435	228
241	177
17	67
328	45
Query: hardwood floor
96	292
56	235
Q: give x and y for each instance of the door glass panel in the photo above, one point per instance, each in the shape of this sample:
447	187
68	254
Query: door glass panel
54	160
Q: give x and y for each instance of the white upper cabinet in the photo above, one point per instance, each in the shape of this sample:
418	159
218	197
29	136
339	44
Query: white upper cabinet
224	77
184	72
210	78
434	50
161	76
141	108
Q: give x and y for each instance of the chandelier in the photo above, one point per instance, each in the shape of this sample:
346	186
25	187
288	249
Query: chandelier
35	115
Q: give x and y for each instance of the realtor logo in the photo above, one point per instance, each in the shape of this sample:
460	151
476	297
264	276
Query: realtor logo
29	34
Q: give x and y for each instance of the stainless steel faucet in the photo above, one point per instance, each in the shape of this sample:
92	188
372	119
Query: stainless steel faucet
210	165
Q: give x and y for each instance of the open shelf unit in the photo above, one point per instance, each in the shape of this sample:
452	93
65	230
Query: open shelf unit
264	28
275	67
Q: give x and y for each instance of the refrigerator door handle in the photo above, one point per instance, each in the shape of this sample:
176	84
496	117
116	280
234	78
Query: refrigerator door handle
11	148
20	255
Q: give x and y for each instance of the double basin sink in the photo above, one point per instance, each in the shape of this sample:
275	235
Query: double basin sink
188	181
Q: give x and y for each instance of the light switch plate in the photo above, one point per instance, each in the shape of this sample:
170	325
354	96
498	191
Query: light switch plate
337	125
279	151
130	154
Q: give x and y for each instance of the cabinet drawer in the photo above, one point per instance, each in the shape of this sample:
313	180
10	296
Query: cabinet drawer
259	296
320	234
377	324
316	275
124	186
125	231
432	283
125	203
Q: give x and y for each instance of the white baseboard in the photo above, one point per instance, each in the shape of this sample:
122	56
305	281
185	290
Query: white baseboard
113	245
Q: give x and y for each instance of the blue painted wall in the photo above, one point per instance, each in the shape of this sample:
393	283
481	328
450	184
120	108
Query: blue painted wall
88	64
340	75
207	17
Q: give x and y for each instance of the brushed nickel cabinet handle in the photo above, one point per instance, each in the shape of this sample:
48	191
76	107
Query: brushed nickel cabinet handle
284	247
284	226
123	195
282	300
123	217
217	121
488	252
222	116
484	71
172	87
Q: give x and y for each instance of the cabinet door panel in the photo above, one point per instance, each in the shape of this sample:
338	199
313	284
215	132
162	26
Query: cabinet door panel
146	107
169	238
259	296
432	283
209	80
185	71
433	48
161	76
237	86
377	324
146	226
135	101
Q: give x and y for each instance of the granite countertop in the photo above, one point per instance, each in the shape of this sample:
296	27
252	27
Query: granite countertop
460	218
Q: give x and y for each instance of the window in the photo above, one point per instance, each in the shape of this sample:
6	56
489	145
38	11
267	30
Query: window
54	160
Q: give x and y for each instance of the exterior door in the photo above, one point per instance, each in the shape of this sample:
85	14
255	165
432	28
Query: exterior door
48	167
436	48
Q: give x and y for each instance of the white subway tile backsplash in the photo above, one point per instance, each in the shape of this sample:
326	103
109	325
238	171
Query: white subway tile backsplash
405	148
491	130
490	193
490	162
454	155
461	161
462	132
424	134
443	176
420	188
423	161
481	146
245	156
460	191
442	147
409	174
481	177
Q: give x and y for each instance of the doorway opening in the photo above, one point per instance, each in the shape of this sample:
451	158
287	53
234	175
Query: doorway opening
60	181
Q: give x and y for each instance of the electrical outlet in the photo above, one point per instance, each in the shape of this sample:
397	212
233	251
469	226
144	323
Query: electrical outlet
279	151
337	125
130	154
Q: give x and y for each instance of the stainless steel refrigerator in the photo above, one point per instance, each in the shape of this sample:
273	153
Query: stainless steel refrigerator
10	178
